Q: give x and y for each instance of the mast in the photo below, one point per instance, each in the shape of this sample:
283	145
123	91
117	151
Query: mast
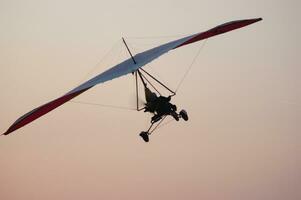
129	51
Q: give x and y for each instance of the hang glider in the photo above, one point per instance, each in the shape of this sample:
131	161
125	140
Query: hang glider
127	67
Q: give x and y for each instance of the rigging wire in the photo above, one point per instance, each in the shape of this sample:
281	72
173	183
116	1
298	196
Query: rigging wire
190	66
108	52
155	37
160	124
150	132
127	108
142	42
166	123
103	105
157	74
116	57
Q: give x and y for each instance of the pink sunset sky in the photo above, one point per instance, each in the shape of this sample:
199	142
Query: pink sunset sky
243	96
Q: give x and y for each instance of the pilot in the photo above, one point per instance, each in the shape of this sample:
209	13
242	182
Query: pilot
160	106
164	107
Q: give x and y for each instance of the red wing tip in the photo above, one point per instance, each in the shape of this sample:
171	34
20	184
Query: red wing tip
256	20
7	132
253	20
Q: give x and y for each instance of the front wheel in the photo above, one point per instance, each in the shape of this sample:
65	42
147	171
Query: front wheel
144	136
184	115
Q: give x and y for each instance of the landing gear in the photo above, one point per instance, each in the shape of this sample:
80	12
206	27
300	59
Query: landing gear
156	103
145	134
156	118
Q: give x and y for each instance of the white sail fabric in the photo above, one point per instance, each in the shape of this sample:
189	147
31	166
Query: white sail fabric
129	66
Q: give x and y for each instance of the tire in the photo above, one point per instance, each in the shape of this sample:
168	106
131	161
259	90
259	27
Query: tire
184	115
144	136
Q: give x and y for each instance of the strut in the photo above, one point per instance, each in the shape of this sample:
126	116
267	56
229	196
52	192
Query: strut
145	81
129	51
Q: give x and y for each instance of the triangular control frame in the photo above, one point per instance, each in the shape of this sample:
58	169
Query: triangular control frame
145	80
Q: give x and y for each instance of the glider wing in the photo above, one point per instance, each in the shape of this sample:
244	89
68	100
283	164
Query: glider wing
124	68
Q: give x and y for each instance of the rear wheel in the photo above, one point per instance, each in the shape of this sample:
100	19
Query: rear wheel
184	115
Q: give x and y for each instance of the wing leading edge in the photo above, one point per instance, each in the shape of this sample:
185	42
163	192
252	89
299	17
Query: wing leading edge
126	67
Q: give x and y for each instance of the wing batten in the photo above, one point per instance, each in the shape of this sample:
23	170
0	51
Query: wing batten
126	67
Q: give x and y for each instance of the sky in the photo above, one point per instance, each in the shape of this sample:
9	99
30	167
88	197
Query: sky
242	94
